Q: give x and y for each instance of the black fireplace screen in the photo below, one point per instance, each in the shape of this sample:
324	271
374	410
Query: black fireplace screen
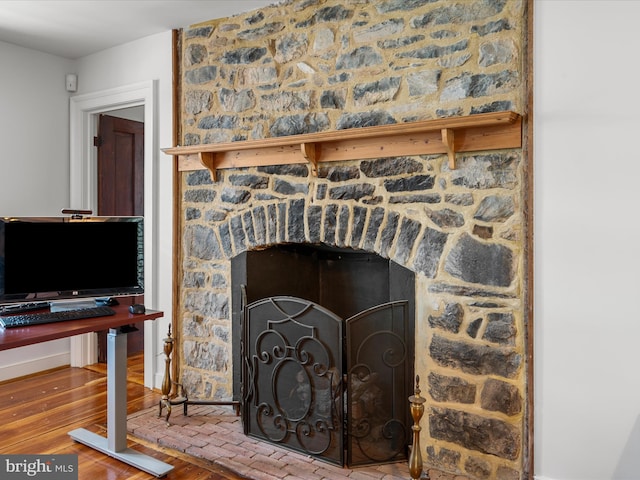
324	386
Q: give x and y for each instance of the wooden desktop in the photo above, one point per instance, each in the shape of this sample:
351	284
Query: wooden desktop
115	444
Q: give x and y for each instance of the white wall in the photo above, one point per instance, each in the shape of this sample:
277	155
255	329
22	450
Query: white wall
34	164
587	236
146	59
34	132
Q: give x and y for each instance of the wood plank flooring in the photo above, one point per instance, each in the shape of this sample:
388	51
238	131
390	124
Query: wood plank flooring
37	412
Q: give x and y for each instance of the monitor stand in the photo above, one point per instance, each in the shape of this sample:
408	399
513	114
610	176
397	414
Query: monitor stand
64	305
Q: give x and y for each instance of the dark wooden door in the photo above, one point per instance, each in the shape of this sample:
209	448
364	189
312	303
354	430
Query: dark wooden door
120	144
120	166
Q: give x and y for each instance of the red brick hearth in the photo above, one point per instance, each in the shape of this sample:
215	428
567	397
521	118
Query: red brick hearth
215	433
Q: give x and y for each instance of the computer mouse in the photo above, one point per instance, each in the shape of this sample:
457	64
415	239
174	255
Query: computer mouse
137	308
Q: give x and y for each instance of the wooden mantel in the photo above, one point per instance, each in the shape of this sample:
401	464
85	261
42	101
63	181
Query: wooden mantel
485	131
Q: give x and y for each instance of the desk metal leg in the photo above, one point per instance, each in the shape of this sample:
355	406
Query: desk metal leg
115	445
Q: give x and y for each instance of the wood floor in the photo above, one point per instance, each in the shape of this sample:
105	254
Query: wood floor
38	411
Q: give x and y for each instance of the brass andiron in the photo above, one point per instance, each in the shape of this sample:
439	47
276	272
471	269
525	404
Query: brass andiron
166	400
415	457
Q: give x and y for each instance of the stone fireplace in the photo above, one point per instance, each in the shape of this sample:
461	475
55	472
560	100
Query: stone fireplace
461	231
464	300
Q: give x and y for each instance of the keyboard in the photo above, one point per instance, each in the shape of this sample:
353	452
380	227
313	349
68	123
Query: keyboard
29	319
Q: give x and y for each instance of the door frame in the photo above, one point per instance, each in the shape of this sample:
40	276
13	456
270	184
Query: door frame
83	116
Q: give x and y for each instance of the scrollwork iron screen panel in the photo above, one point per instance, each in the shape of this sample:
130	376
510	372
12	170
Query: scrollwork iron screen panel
378	379
293	376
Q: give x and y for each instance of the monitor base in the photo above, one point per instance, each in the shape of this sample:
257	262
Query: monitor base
63	306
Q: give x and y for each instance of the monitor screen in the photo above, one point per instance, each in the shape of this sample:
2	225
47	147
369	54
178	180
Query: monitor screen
51	258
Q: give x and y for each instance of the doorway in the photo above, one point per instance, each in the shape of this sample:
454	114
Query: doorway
120	148
84	111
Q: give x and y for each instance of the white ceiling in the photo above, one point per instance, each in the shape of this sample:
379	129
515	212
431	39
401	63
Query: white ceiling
75	28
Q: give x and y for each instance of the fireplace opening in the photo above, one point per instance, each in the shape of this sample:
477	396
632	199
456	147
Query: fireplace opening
325	340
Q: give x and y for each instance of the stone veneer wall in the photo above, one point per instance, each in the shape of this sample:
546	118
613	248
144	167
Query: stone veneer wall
315	65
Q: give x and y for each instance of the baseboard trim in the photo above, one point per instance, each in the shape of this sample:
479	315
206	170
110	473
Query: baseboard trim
32	366
158	379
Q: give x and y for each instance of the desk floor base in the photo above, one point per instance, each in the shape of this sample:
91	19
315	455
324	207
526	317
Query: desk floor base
136	459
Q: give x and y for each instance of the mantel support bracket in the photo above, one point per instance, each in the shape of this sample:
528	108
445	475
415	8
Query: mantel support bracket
448	139
309	152
208	159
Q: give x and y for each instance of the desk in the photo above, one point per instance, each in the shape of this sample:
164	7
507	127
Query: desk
115	444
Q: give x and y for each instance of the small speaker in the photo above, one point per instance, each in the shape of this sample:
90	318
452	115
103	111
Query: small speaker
71	82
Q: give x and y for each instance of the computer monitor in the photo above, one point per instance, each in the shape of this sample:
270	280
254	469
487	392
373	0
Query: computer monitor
61	258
